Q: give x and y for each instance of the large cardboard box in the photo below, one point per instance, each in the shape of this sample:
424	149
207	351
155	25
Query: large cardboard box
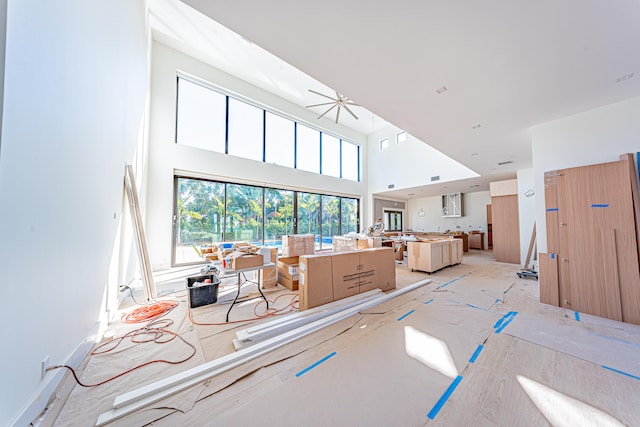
298	244
380	261
288	272
363	270
240	260
346	270
315	281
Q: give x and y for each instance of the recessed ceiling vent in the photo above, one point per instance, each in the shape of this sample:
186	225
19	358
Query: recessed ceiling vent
435	178
505	163
390	186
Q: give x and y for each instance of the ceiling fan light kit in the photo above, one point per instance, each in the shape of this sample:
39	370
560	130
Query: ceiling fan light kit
340	101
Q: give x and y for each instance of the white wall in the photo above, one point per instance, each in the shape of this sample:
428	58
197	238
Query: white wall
408	164
595	136
475	214
76	79
526	210
166	156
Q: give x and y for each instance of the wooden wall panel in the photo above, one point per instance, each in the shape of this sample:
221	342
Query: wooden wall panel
595	215
548	278
505	229
562	293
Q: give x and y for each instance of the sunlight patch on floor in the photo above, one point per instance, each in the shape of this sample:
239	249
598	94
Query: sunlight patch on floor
430	351
561	410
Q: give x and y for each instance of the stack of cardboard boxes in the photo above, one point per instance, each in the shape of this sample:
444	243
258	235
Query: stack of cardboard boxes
293	247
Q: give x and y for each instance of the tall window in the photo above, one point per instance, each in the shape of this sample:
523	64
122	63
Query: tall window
244	213
198	217
280	140
245	130
278	215
350	161
308	149
348	215
330	155
201	117
330	220
308	215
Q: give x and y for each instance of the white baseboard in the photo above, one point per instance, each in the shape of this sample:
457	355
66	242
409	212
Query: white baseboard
33	409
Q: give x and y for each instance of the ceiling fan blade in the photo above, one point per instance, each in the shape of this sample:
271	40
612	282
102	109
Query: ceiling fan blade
322	94
319	105
322	115
351	112
338	114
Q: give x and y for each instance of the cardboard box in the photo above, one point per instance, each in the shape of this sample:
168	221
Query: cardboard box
288	272
240	260
269	276
298	244
343	244
382	262
330	277
346	270
315	281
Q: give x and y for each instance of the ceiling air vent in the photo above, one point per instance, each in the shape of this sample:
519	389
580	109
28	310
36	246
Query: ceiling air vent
435	178
390	186
505	163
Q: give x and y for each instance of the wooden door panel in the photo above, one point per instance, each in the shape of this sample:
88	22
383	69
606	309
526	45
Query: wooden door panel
506	229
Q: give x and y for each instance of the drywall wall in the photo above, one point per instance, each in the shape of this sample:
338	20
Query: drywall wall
76	79
475	214
408	164
165	155
526	210
3	43
591	137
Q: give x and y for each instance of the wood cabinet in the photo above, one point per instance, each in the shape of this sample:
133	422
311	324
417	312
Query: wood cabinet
432	255
456	251
476	240
591	264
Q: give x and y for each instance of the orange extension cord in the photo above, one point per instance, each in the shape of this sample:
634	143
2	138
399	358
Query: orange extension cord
292	305
154	331
149	312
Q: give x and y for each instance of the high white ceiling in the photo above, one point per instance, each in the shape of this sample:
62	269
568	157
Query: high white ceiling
506	66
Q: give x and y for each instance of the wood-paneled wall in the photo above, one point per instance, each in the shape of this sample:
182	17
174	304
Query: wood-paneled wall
505	229
592	260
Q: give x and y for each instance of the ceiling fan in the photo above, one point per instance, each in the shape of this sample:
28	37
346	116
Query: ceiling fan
339	101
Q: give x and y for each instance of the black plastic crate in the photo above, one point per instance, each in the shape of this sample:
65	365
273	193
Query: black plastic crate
200	293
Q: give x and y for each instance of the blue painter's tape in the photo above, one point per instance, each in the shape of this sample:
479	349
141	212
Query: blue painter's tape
476	353
506	319
405	315
451	281
552	210
434	411
431	300
621	372
553	256
600	205
577	316
324	359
